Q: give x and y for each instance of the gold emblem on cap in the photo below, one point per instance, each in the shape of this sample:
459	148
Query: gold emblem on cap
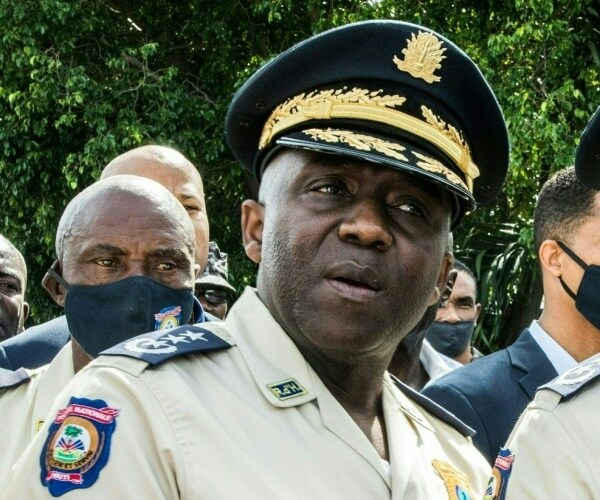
422	56
358	141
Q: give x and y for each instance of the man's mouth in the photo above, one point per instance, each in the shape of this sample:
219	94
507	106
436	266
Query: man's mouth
354	281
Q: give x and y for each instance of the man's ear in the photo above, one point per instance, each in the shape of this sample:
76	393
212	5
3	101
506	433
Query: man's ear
253	217
441	289
25	311
53	287
549	255
478	309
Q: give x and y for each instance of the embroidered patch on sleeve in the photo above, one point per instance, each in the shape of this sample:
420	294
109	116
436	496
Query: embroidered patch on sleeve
496	488
457	483
78	445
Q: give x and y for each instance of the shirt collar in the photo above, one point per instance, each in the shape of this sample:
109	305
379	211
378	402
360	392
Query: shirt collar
561	360
280	371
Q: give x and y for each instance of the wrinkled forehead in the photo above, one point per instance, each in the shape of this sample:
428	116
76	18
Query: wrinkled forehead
11	261
115	214
11	265
464	285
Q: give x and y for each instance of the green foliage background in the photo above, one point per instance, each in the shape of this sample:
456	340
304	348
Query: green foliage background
85	80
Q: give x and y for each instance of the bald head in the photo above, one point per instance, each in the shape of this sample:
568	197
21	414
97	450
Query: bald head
121	202
176	173
13	278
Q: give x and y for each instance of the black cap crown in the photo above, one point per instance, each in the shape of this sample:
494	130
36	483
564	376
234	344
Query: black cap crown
388	92
587	156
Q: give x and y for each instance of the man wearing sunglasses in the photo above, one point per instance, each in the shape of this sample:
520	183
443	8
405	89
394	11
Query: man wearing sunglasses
212	288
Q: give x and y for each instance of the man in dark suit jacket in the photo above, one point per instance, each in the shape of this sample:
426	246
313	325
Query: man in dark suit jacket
489	394
38	345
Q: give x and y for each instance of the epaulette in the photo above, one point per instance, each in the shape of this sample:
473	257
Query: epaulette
570	382
9	378
157	347
434	408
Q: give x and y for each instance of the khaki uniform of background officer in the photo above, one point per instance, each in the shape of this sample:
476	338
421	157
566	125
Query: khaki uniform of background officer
554	450
25	403
362	175
95	247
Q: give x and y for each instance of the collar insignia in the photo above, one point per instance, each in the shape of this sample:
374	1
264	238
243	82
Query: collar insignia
287	389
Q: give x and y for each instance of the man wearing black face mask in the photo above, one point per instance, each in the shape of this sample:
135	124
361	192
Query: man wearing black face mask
489	395
452	330
36	346
566	409
125	266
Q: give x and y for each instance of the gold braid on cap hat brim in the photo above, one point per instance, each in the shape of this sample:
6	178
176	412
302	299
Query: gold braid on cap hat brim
366	105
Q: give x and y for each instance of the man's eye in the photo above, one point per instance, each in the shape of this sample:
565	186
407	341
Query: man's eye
106	262
329	189
166	266
191	208
9	287
411	209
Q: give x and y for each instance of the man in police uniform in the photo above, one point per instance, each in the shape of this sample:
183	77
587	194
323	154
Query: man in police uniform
368	147
119	276
37	345
554	450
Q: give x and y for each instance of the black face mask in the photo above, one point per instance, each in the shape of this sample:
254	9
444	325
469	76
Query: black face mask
587	300
451	339
101	316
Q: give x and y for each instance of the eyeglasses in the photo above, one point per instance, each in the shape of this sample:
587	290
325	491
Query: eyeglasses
214	296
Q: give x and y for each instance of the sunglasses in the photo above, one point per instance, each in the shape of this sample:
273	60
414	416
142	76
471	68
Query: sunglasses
214	296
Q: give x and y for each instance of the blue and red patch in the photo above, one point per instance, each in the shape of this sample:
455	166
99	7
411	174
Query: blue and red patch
78	445
496	488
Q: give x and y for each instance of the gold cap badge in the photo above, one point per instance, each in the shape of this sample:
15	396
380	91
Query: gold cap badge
422	56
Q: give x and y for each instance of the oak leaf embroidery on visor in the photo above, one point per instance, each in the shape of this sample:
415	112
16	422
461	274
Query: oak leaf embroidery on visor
358	141
318	106
465	163
433	165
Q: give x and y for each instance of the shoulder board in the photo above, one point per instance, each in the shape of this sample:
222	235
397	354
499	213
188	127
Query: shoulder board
9	378
157	347
570	382
433	408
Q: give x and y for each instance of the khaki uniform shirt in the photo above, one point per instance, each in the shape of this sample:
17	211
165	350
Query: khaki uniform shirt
254	422
554	450
24	408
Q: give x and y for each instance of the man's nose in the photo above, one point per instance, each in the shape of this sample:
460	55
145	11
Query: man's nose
365	225
447	314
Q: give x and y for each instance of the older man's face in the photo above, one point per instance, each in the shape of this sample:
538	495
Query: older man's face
13	308
351	253
119	236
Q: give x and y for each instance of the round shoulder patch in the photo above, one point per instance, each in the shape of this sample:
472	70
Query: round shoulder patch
78	445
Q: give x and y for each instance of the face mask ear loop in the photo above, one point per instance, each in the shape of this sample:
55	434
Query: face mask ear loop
572	254
576	259
51	272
